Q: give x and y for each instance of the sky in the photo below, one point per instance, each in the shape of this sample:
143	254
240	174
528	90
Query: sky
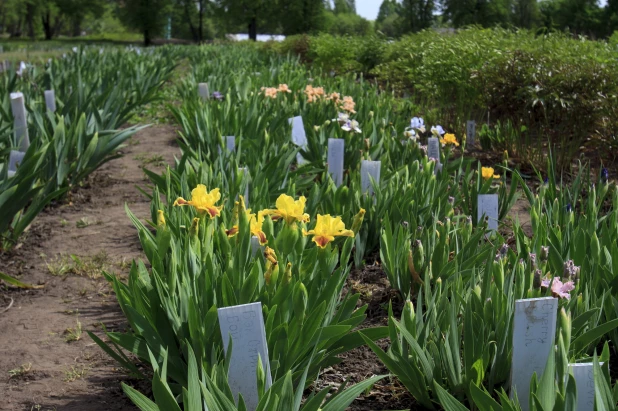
368	8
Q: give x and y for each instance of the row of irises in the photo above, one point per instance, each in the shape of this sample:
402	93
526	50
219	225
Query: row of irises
66	124
452	345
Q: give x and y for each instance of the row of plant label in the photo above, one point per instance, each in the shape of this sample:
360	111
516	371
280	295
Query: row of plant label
289	179
60	122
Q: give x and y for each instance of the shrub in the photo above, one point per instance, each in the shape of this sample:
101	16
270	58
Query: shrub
298	44
371	52
557	97
346	24
338	53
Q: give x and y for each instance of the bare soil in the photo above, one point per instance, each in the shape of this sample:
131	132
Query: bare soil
46	363
361	363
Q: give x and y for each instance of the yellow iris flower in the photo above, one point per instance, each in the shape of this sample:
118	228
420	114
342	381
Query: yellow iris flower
160	218
488	172
289	209
326	229
449	139
203	201
255	222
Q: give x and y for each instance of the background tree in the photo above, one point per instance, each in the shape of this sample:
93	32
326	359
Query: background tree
302	16
52	20
417	15
75	11
32	8
193	14
388	18
344	6
251	15
486	13
343	20
610	17
577	16
387	8
146	16
526	13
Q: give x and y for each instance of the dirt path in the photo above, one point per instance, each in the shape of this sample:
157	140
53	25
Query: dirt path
65	249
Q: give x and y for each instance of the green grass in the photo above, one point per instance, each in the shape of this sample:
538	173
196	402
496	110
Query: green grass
40	50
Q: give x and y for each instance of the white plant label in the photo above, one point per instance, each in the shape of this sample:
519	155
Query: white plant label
369	168
255	245
534	328
299	137
20	124
50	100
487	208
470	133
584	380
203	91
335	159
15	159
245	325
243	173
433	148
230	143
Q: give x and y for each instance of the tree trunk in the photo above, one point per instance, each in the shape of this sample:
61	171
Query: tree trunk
193	31
47	27
16	29
201	28
253	29
77	27
57	26
147	39
30	20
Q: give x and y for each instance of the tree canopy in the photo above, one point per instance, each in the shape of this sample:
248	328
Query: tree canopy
200	20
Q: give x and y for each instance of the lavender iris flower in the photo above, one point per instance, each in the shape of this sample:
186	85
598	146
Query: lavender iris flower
351	125
342	118
218	95
604	175
410	133
22	69
418	123
437	130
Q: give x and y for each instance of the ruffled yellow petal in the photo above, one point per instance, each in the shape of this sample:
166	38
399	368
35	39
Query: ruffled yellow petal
326	229
289	209
346	233
232	231
181	202
203	201
261	237
214	211
322	240
274	214
307	233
